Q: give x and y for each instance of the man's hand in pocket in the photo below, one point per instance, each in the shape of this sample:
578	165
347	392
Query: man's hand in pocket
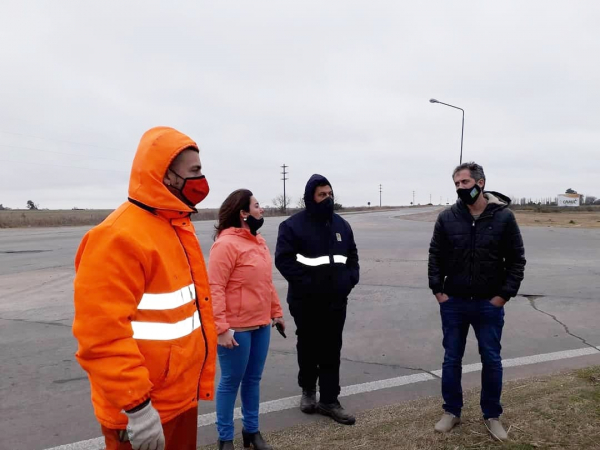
498	302
441	297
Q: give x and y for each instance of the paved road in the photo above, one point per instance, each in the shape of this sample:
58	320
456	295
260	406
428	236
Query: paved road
392	330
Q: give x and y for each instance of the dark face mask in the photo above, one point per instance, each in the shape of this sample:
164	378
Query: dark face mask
324	209
254	223
469	196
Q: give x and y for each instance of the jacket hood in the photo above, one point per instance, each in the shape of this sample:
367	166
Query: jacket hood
496	198
311	187
157	149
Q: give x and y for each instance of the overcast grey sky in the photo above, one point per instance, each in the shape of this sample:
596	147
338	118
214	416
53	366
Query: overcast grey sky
340	88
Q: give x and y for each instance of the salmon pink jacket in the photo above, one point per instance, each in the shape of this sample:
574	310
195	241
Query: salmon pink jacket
240	273
143	315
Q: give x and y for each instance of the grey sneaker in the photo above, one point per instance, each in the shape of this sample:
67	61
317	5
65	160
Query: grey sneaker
496	429
446	423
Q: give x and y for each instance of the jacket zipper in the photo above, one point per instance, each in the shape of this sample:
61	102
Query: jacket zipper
330	238
473	232
197	303
473	235
204	338
205	349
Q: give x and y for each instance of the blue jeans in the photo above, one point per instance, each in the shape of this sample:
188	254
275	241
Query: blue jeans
241	365
487	320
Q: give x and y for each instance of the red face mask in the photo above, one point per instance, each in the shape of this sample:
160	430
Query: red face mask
194	189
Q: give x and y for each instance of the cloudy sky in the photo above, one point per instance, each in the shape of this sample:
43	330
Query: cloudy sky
340	88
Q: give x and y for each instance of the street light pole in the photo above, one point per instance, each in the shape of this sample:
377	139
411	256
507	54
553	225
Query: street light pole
433	100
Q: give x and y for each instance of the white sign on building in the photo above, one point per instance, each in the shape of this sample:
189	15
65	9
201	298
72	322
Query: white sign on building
566	200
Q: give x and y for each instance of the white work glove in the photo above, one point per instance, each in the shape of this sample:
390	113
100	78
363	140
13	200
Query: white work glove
145	430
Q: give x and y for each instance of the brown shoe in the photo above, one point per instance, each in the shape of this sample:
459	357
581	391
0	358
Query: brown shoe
446	423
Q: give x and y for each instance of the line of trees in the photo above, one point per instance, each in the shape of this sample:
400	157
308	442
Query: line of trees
31	205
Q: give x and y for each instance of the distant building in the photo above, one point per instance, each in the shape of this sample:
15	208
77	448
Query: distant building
569	200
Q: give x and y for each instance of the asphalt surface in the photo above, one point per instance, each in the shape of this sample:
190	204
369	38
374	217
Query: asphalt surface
393	326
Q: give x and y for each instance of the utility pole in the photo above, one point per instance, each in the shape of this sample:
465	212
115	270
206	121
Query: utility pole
413	203
430	199
284	173
380	190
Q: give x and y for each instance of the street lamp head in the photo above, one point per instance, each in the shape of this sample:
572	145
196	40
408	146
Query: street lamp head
433	100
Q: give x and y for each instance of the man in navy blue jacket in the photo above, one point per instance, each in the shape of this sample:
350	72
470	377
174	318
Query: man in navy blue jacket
317	255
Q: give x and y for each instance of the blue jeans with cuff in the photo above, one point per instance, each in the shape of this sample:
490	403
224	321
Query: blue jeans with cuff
487	320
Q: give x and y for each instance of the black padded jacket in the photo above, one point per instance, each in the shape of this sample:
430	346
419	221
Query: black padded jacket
477	258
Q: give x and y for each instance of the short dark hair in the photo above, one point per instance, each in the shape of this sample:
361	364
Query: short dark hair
475	169
229	212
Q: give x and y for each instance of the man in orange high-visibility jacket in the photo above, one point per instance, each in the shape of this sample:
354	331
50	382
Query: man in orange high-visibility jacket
143	314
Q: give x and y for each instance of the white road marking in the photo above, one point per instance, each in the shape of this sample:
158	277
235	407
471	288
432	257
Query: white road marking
293	402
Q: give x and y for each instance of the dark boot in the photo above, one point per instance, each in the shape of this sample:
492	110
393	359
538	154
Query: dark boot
336	412
308	403
226	445
256	440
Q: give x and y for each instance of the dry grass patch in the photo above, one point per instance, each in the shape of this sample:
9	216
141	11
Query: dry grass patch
556	217
554	412
59	218
567	219
53	218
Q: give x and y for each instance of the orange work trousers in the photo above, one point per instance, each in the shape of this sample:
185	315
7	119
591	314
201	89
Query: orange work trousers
180	433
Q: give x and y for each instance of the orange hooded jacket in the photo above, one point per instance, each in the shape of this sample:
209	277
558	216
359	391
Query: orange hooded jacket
143	313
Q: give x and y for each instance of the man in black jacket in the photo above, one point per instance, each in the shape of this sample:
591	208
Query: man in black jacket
317	255
476	264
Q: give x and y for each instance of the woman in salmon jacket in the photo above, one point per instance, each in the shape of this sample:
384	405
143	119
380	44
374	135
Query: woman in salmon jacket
245	303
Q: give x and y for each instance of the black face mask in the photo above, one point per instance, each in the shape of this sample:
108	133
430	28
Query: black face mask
254	223
469	196
324	209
